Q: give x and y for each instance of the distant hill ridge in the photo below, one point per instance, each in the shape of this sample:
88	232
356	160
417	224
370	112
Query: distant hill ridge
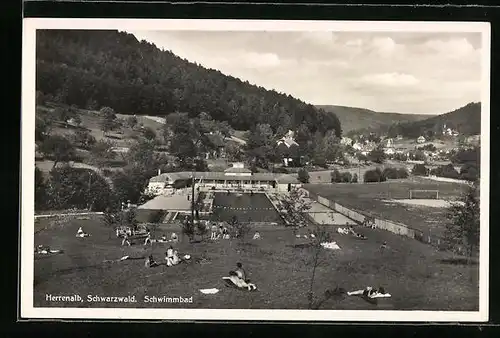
465	120
352	118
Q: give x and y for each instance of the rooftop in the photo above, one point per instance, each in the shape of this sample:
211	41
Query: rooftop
210	175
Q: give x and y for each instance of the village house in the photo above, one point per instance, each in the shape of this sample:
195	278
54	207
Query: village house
449	131
347	141
388	142
473	140
217	144
357	146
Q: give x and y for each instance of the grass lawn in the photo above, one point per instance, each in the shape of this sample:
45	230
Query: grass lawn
416	275
370	198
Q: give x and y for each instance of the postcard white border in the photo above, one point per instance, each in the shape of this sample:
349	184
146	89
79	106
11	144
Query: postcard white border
28	311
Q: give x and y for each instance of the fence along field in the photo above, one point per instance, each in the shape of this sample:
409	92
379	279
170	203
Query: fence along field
378	200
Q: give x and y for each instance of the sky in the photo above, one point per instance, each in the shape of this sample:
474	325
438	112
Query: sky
403	72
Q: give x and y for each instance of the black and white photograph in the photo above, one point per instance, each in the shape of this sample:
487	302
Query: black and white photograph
255	170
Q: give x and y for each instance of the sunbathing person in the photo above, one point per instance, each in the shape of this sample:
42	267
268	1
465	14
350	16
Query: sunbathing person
164	238
81	233
175	258
150	262
236	281
370	292
225	233
213	235
45	250
171	257
125	239
240	272
256	235
174	237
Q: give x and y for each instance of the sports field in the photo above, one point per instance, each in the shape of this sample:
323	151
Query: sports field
378	200
418	277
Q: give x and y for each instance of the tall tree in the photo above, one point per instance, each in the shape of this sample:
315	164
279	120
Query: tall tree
462	230
101	153
59	148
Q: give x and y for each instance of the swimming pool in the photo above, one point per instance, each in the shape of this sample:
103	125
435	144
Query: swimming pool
246	207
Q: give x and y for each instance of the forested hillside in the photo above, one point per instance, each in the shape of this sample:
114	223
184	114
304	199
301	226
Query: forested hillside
92	69
466	120
359	118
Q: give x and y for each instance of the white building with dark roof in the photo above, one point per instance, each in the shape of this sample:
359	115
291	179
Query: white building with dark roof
235	178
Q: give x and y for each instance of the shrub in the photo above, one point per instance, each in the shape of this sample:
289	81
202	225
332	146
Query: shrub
402	173
374	176
335	176
469	172
395	173
447	171
303	176
346	177
419	169
390	173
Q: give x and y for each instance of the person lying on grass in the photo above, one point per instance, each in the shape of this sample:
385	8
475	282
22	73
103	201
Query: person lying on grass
238	282
45	250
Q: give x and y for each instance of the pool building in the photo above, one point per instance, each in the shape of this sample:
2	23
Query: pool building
235	178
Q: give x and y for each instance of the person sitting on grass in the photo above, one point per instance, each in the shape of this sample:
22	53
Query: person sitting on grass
256	235
174	237
150	262
175	258
81	233
164	238
239	282
125	240
213	235
239	271
172	257
225	233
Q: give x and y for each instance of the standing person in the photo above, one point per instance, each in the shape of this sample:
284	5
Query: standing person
148	239
125	239
240	272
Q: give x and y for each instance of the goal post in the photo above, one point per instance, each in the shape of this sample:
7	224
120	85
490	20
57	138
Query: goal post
424	194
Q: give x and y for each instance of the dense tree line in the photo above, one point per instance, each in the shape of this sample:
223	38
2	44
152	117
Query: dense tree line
91	69
466	120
